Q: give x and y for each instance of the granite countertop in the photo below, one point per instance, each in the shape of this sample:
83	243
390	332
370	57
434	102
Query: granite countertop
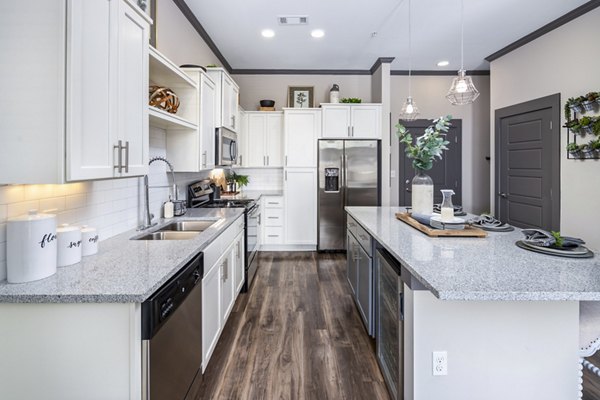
123	271
252	194
491	268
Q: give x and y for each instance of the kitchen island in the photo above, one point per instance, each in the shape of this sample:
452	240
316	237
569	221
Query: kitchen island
507	318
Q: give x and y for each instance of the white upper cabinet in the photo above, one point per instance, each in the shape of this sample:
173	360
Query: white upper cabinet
86	108
227	96
191	147
263	141
357	121
302	128
242	138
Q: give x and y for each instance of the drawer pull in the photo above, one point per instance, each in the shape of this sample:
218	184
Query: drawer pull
273	235
273	202
273	217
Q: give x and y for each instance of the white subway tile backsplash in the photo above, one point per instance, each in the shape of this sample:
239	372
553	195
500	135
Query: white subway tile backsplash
12	194
2	233
2	211
16	209
52	205
75	201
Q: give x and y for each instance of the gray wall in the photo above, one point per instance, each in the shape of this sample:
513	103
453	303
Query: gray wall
429	93
561	61
254	88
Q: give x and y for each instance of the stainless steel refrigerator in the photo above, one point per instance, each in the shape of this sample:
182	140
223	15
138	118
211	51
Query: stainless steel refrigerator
348	176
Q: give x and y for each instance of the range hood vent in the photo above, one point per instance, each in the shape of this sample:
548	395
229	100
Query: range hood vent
293	19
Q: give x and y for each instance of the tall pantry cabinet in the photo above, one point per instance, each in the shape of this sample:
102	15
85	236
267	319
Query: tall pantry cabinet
302	128
83	113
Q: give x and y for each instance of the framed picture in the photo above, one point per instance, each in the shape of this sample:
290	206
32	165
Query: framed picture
301	96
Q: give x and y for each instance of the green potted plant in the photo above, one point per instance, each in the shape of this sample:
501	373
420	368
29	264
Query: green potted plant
594	147
423	151
574	150
236	181
567	109
576	105
586	124
352	100
596	126
590	103
573	125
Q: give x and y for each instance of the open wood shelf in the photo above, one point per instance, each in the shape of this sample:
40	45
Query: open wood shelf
162	119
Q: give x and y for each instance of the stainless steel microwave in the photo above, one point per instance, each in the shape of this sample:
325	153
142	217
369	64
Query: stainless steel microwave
227	150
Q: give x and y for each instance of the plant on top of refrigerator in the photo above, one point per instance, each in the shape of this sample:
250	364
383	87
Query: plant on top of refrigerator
428	147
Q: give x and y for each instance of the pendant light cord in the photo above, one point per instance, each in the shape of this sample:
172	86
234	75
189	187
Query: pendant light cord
409	49
462	34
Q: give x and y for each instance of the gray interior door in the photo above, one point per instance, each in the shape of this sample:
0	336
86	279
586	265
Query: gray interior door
527	164
446	173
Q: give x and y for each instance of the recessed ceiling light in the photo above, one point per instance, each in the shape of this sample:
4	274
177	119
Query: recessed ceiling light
443	63
268	33
317	33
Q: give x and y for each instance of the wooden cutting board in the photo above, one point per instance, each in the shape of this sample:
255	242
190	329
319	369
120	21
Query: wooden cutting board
469	231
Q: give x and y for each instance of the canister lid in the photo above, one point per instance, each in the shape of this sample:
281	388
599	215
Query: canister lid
66	228
32	215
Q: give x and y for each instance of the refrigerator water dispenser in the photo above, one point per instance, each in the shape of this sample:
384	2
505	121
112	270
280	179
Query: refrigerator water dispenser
332	180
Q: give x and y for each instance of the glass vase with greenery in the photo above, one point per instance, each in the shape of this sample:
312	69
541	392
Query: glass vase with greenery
424	150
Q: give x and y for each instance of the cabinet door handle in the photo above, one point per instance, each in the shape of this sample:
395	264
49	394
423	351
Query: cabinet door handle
286	161
119	147
268	161
203	159
352	131
127	157
241	162
348	131
286	175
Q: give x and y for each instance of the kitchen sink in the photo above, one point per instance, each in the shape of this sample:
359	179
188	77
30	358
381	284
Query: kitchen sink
168	235
187	226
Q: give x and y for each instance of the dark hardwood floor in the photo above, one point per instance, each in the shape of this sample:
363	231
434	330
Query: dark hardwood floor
296	335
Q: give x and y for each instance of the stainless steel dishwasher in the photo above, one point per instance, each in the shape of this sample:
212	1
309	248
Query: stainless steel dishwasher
172	335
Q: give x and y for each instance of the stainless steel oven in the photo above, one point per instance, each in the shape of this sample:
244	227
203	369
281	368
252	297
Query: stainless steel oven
227	150
252	224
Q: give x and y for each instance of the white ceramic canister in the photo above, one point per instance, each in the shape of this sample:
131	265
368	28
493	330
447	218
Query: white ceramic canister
89	241
69	245
31	247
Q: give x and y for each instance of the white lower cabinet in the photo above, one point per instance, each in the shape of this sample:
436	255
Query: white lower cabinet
239	266
300	188
220	284
272	220
227	284
211	318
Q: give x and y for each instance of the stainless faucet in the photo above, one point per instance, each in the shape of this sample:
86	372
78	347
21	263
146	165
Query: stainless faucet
147	223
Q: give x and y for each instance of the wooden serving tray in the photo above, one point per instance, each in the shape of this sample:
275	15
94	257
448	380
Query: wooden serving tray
469	231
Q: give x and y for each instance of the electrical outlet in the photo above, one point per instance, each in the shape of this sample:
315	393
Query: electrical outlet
439	363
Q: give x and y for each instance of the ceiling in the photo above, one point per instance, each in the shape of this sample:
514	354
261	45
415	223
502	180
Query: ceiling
235	26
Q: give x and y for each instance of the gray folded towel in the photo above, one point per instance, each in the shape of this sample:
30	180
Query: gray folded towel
425	219
540	237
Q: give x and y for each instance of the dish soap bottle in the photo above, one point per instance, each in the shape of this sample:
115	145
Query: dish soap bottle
447	208
169	209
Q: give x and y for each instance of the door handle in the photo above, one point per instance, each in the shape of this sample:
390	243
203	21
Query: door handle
126	156
503	195
119	147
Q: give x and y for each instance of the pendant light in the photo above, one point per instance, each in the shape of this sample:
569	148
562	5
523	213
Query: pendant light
462	91
409	111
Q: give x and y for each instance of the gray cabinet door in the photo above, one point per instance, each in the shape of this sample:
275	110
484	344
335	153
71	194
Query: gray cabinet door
365	285
351	264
